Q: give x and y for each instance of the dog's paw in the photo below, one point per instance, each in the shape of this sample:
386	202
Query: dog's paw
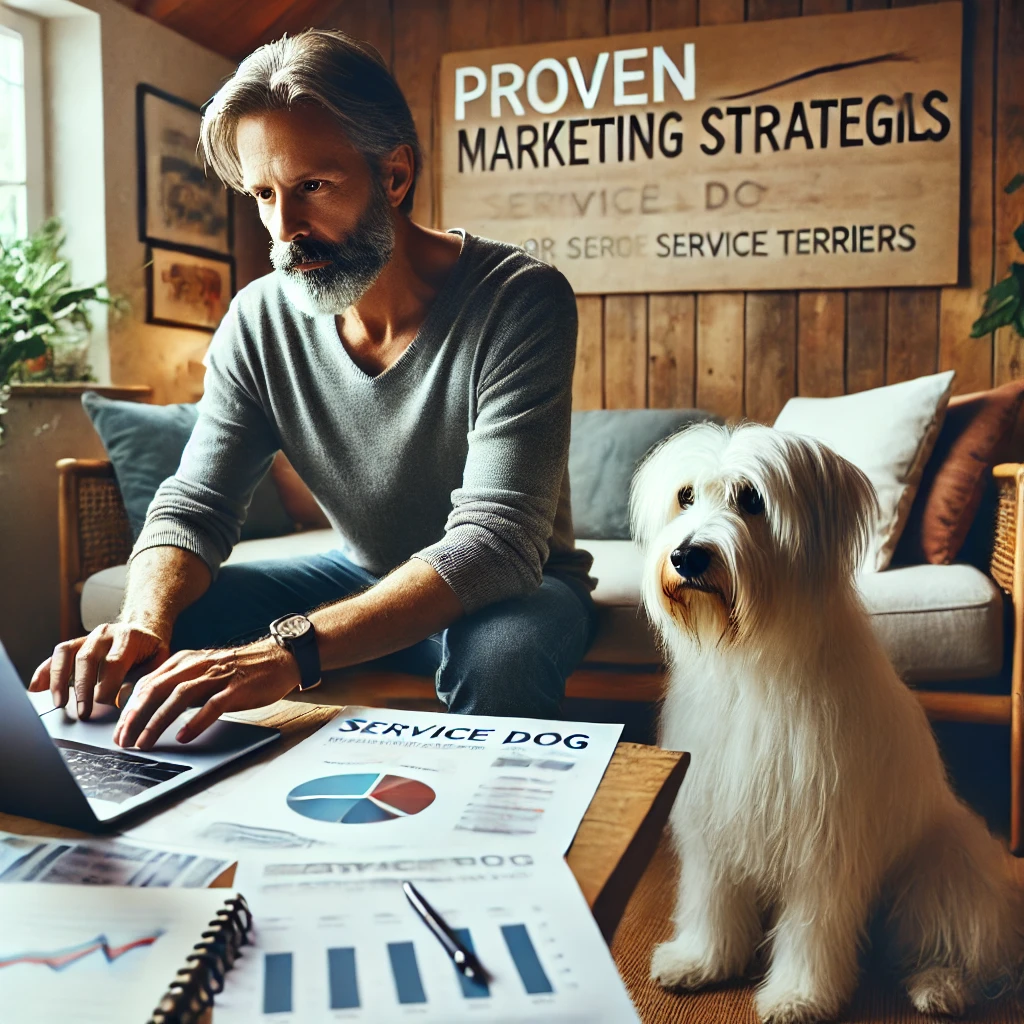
939	990
680	964
792	1008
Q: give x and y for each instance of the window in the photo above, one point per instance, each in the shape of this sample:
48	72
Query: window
21	130
13	187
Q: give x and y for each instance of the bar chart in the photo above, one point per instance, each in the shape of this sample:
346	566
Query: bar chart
277	983
343	969
404	966
341	973
337	942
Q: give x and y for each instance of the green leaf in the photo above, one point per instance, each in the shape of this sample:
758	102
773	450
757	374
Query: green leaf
36	330
1018	236
993	321
999	293
75	296
1015	183
58	268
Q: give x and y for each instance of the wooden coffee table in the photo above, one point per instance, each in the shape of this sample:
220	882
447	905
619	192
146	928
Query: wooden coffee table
612	848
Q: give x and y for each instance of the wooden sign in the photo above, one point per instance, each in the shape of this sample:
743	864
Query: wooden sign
819	152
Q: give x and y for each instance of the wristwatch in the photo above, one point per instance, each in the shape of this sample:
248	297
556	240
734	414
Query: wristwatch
295	633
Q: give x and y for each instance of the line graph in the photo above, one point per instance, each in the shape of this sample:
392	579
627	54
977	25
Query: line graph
59	959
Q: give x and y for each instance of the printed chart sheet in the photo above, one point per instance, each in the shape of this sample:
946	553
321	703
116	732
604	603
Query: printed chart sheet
79	955
336	939
103	862
397	780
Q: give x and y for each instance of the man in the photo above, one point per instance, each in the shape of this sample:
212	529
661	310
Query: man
419	381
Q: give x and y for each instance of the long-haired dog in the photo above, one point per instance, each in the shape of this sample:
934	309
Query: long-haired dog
816	797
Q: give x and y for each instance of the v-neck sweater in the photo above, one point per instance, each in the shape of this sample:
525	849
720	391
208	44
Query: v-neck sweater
456	454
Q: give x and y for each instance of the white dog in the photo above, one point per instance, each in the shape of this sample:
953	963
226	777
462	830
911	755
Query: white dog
816	794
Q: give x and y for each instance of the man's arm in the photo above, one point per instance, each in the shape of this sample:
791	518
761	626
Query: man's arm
202	507
405	607
496	539
162	583
192	524
408	605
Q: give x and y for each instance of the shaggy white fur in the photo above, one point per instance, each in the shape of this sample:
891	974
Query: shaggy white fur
816	794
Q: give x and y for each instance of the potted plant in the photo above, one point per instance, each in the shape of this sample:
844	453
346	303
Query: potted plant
44	318
1004	302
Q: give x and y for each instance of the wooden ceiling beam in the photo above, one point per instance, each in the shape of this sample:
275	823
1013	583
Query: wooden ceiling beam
233	18
295	16
208	24
159	10
234	28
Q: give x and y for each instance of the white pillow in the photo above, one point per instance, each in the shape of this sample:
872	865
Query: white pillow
888	433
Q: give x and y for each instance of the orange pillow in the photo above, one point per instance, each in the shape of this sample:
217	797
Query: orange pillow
296	497
975	436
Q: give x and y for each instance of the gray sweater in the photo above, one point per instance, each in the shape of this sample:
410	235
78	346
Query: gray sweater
456	454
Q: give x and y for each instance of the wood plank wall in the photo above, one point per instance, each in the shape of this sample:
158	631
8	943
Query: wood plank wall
745	354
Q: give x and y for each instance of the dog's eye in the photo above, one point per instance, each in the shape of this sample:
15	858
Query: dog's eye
685	497
750	501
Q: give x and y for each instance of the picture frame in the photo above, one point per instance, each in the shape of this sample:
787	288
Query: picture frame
187	289
178	204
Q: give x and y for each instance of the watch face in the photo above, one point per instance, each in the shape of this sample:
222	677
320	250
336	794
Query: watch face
292	627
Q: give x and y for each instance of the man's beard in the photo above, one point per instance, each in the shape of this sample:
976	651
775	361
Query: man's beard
354	264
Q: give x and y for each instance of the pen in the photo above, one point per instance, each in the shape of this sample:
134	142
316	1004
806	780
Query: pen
465	960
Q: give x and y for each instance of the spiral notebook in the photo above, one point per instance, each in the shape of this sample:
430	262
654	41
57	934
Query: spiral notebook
113	955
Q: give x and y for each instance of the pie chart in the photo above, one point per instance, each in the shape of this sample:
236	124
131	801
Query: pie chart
360	798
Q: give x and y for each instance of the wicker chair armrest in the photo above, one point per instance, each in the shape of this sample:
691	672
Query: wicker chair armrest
1007	568
1006	564
94	531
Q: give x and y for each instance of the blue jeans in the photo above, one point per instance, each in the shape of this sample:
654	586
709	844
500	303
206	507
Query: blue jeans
509	658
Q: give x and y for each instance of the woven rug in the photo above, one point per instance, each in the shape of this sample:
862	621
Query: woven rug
646	922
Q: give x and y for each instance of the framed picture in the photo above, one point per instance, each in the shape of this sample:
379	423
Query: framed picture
178	204
185	289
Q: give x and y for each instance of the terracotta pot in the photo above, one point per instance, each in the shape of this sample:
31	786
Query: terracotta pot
38	364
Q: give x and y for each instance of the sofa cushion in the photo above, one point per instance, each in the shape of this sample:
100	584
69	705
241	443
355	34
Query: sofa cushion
974	437
605	446
886	432
145	443
937	622
624	634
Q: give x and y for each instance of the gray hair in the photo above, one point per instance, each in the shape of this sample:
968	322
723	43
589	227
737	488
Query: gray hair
348	78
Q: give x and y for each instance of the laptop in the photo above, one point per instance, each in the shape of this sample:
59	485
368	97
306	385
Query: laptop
59	769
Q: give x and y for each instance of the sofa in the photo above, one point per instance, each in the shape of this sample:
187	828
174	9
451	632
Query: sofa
953	631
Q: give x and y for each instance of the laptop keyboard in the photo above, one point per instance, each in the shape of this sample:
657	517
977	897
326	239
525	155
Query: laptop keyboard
112	775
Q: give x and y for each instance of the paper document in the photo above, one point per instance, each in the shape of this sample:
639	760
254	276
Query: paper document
103	862
77	955
388	780
336	939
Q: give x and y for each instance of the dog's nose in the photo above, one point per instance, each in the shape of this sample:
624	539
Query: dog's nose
690	561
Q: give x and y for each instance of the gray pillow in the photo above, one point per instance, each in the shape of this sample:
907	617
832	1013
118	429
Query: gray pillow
145	443
604	450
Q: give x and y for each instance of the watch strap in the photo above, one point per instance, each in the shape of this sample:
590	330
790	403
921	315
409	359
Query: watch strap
307	655
302	648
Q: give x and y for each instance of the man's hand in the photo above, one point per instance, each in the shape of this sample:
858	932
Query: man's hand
217	681
98	663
